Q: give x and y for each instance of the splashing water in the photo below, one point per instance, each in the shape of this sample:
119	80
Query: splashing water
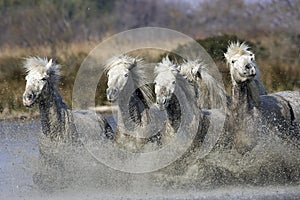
271	170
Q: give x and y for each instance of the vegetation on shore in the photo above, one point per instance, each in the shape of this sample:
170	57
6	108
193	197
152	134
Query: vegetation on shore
68	30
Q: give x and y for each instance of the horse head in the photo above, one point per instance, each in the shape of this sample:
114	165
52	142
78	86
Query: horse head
119	74
241	62
40	74
165	82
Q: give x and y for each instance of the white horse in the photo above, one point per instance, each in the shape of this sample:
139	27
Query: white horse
58	128
56	117
165	83
209	91
128	85
245	95
243	70
248	95
177	97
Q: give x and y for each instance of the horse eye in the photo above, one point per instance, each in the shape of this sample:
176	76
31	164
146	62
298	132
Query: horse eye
251	54
233	61
126	75
44	79
173	82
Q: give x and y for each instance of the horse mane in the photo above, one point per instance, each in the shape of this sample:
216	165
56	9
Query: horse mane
123	59
187	65
164	66
186	87
42	66
140	73
216	93
236	48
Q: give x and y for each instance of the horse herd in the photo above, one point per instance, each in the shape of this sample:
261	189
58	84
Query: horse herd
184	94
146	115
138	114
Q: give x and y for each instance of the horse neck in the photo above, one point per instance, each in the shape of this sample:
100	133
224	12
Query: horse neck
124	106
54	114
241	99
201	94
187	104
173	112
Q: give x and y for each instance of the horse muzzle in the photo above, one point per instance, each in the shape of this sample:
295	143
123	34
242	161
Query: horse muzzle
28	100
112	94
250	70
162	102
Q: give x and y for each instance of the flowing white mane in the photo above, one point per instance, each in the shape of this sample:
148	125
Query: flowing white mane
165	66
210	92
237	48
42	66
187	66
140	73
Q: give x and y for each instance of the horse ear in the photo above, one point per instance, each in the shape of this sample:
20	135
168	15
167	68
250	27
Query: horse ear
175	69
133	64
49	64
226	56
178	68
167	58
196	71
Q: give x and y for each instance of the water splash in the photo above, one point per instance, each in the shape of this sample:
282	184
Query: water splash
271	170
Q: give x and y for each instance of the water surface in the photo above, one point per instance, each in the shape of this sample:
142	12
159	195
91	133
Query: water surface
222	175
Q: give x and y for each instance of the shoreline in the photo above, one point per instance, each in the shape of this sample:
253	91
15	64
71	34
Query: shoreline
26	116
15	115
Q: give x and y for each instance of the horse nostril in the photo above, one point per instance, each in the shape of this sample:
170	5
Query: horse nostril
28	96
110	90
161	100
115	90
111	93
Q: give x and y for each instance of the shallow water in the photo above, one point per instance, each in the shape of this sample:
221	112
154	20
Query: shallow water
223	174
18	156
